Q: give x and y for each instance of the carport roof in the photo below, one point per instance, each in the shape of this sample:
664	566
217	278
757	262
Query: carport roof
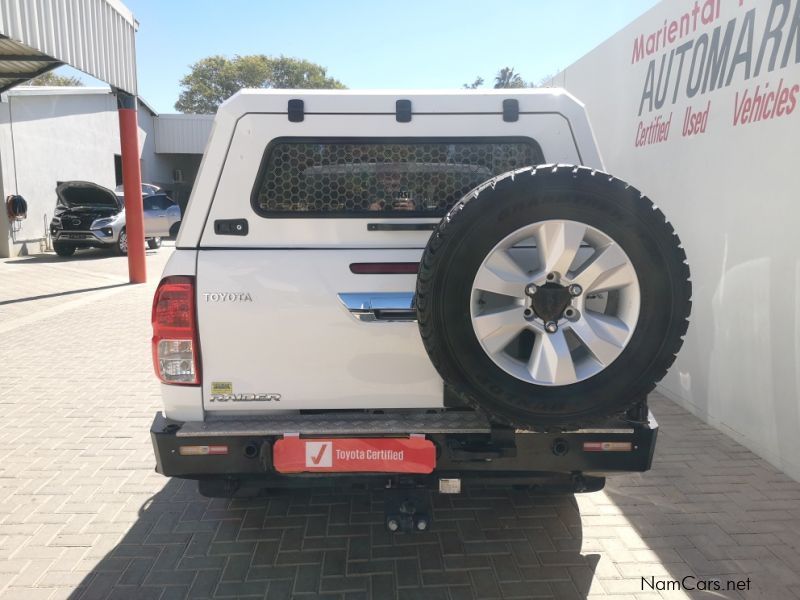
94	36
19	63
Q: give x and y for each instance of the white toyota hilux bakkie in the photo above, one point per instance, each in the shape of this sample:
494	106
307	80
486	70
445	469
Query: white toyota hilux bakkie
427	288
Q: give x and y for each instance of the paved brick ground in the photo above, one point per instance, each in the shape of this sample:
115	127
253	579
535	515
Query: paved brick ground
83	515
46	282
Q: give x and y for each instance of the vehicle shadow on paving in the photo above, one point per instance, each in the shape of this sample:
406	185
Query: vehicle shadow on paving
485	543
80	255
66	293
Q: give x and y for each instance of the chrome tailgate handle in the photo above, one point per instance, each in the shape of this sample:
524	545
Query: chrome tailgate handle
370	307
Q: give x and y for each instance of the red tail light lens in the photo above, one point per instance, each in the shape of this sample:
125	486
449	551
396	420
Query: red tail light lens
176	354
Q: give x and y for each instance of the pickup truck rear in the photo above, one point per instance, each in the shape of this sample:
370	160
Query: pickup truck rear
424	288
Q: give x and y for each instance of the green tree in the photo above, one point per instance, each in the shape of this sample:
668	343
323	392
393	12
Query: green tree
214	79
505	78
54	79
475	84
546	82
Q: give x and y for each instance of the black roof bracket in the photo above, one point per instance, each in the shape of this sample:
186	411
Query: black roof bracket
296	110
402	111
510	110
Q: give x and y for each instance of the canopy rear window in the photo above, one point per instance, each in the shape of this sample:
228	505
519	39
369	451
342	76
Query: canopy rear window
377	177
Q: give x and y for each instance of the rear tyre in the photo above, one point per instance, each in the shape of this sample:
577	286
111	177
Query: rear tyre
553	297
154	243
64	250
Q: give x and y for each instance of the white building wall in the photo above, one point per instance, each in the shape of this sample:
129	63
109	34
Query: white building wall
51	137
731	191
183	134
155	168
182	151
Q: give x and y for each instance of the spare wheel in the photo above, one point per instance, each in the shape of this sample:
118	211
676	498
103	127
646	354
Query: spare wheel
553	297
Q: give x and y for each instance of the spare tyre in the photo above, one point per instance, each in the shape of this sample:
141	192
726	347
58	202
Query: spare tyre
553	297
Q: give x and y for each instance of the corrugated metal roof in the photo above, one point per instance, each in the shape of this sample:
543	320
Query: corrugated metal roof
59	90
94	36
19	63
182	134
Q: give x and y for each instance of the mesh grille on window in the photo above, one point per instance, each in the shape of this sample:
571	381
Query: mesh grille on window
398	178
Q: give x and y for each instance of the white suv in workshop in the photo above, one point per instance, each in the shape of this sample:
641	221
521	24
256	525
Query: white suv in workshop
88	215
416	286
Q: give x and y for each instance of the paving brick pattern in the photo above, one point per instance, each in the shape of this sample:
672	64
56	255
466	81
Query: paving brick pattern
32	287
82	514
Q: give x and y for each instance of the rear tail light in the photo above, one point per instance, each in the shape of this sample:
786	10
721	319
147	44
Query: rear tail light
176	354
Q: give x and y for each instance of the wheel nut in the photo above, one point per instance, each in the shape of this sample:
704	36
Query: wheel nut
575	290
530	289
528	313
551	327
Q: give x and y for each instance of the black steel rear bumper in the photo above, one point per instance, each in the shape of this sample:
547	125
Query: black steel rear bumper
580	457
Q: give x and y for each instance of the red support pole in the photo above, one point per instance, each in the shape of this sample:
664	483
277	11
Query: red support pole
132	184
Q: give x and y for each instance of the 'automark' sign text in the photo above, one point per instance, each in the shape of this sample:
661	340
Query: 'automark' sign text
685	65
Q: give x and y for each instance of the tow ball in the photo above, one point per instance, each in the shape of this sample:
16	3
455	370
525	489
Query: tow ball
407	510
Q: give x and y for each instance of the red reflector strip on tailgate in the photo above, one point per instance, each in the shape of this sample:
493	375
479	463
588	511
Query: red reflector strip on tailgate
354	455
607	446
392	268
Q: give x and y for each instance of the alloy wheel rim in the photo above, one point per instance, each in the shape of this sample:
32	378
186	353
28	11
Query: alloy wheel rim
555	302
123	241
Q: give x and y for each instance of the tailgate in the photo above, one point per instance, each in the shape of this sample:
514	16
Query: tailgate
274	334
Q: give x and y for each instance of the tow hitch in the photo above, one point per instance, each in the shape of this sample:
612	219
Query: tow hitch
407	509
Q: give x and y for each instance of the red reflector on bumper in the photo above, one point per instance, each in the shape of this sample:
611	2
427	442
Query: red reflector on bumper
354	455
202	450
607	446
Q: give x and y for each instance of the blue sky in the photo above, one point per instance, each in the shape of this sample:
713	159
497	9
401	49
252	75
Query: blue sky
374	44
